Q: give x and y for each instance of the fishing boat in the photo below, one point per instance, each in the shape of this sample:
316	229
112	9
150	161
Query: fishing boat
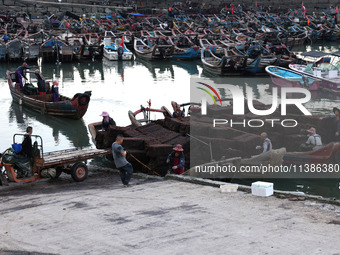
116	50
14	50
330	153
223	65
56	50
321	69
74	108
145	49
146	111
92	48
184	48
284	77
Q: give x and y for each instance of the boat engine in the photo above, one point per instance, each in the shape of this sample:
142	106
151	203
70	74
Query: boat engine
120	52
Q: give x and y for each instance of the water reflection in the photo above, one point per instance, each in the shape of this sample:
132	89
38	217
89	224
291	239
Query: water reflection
157	69
74	130
117	67
87	70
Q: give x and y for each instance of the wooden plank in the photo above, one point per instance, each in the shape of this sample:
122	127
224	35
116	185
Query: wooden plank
71	156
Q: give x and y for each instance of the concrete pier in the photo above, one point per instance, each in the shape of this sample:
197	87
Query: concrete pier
158	216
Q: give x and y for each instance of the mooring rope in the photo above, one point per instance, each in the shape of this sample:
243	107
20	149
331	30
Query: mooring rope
143	164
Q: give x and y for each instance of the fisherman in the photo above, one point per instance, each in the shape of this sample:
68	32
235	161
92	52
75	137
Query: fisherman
26	145
41	82
178	113
20	72
55	91
119	156
336	118
176	160
313	142
267	144
107	121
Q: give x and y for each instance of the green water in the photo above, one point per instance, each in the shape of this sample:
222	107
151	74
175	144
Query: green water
120	87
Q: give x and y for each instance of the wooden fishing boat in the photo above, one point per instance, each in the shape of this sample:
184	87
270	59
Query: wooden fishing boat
330	153
92	48
184	48
74	108
288	78
56	50
146	114
14	50
223	65
152	52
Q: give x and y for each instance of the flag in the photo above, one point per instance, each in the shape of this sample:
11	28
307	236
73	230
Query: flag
336	9
232	9
256	4
122	41
226	7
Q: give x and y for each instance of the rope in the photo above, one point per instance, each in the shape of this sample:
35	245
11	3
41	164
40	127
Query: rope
143	164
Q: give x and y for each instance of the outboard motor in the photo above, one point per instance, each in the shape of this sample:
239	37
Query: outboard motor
120	52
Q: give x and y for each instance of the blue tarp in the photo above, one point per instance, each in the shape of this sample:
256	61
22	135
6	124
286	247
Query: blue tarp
139	14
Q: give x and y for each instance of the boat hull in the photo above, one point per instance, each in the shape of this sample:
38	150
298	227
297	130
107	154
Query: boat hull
74	108
283	77
113	56
329	85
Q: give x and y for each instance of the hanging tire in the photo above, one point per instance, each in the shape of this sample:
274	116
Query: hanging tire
79	172
83	99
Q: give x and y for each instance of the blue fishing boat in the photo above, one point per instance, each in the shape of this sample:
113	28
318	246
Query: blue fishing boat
184	48
283	77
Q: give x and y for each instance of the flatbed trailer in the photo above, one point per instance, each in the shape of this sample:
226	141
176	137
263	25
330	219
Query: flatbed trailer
71	161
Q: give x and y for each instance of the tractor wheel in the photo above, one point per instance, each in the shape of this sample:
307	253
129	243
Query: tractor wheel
79	172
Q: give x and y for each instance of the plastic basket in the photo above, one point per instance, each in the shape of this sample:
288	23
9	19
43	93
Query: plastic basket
228	188
16	147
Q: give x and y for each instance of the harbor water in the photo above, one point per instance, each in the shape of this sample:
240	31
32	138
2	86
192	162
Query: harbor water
118	87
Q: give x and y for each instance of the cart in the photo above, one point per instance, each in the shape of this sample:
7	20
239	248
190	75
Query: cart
71	161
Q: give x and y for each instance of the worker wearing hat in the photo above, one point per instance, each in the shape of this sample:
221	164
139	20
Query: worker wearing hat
336	117
314	141
107	121
20	73
176	160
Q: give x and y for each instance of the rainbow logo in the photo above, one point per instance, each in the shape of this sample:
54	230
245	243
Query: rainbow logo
209	93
